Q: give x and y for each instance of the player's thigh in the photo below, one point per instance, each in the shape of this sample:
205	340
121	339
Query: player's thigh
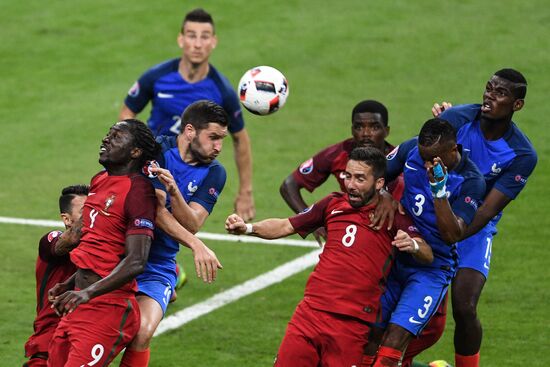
475	252
100	330
345	341
466	289
151	315
420	298
299	346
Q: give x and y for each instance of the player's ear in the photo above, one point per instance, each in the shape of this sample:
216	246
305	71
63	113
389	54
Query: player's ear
66	218
189	131
380	183
136	153
518	104
214	41
180	40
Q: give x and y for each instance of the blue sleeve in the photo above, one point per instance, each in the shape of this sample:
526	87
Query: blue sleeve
514	178
395	160
212	186
141	92
230	102
460	115
470	198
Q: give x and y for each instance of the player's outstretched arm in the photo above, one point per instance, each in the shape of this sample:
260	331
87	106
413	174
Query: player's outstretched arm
416	246
244	202
290	191
191	216
268	228
206	262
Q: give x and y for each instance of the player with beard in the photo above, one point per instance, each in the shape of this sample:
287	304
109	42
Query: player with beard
369	127
188	185
98	304
53	266
342	295
506	158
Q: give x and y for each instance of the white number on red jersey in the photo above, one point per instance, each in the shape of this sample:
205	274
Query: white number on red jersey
349	237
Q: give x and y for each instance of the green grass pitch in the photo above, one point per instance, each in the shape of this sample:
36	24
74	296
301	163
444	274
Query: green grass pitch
65	68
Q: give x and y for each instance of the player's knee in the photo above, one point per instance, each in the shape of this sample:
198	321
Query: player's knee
143	337
465	310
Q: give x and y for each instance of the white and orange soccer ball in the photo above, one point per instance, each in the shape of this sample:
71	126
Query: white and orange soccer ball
263	90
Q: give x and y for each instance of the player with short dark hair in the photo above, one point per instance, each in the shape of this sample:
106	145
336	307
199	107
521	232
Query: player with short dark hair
188	186
440	207
53	266
342	295
506	158
98	304
369	127
175	84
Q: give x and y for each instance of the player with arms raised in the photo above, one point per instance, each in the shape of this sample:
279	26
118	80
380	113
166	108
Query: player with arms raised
342	295
506	158
101	314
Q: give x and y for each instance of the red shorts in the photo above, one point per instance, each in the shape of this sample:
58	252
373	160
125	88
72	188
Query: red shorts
316	337
95	332
429	336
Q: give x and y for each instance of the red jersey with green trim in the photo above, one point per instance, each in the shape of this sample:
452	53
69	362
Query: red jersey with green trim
117	206
352	270
50	270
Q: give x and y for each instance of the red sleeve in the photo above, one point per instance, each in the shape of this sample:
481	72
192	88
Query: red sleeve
141	207
315	171
406	224
46	248
312	218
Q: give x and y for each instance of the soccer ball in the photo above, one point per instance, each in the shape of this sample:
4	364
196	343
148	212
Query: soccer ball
263	90
439	363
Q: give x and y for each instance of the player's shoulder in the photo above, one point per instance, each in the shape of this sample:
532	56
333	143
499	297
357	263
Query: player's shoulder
220	80
403	149
461	114
167	142
520	142
216	168
334	150
161	69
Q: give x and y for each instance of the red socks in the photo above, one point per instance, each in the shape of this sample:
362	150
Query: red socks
388	357
467	361
135	358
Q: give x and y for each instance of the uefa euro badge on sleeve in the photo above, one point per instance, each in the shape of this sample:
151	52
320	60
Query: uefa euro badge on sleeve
147	168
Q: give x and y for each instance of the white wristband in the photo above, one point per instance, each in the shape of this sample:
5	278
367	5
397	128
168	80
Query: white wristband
416	247
248	229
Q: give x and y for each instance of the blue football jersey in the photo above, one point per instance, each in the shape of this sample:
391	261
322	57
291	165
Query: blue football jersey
505	163
170	95
201	183
465	190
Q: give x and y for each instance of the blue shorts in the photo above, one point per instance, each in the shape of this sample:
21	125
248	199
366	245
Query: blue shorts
413	295
158	281
475	252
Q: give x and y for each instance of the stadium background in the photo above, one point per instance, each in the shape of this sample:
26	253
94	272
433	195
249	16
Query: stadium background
65	68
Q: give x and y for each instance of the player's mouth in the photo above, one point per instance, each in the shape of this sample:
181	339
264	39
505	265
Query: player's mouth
102	149
354	197
486	107
367	143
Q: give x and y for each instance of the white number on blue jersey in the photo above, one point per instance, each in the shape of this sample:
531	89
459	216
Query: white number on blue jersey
418	209
167	294
176	127
488	251
427	303
349	237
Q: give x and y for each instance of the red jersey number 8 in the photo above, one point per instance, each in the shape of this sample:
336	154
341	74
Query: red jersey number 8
349	237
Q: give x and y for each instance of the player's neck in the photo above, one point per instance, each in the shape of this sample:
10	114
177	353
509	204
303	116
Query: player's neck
184	151
193	73
495	129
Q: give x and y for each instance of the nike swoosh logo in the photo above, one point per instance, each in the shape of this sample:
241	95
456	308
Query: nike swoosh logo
91	193
413	321
164	95
409	167
466	149
334	211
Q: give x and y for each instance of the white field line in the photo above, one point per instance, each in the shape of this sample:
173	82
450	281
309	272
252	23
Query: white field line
262	281
201	235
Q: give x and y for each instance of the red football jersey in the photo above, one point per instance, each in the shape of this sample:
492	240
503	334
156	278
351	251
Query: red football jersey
50	270
352	270
333	160
117	206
